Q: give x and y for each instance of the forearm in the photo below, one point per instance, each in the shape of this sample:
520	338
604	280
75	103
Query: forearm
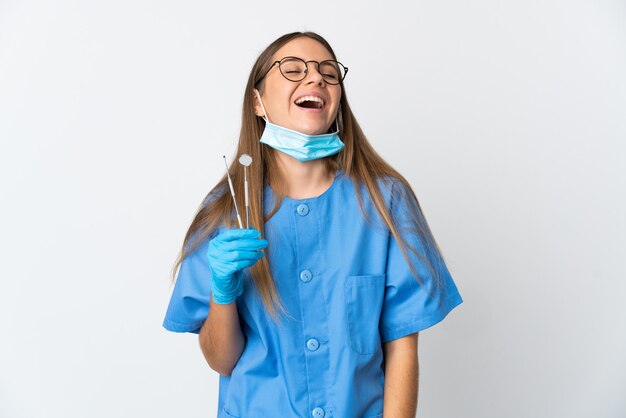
221	338
401	381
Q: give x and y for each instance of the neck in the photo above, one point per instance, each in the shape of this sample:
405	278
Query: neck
304	179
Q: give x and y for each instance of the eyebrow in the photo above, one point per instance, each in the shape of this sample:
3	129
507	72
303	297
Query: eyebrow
303	59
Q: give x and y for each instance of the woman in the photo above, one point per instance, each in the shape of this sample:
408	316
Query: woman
321	317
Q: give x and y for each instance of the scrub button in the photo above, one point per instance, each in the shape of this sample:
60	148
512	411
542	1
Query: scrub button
303	210
313	345
318	413
305	276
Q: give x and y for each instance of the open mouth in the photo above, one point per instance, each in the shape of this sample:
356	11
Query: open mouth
310	102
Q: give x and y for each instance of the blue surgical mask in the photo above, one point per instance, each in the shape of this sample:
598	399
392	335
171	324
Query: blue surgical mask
302	147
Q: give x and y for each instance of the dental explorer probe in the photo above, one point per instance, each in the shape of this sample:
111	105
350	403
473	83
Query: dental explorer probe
232	192
246	160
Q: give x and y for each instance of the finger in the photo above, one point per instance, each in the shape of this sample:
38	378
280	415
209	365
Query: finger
238	233
248	244
243	264
243	255
216	254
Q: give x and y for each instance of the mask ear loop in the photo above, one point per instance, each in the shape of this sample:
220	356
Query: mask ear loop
339	120
265	116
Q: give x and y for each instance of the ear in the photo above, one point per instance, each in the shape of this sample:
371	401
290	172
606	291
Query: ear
257	105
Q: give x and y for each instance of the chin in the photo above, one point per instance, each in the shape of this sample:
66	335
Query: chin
312	129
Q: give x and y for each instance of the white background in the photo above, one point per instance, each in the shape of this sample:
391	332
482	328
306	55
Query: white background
508	118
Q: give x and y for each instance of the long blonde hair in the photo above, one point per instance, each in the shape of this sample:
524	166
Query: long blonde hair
358	160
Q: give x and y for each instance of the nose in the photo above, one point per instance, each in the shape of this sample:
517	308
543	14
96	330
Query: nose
313	75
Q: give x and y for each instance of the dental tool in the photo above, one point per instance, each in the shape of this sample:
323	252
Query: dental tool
232	192
246	160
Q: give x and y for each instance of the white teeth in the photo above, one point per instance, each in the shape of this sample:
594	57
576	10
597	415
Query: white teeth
311	99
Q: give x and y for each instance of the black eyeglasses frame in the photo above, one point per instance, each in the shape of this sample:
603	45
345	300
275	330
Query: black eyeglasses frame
306	64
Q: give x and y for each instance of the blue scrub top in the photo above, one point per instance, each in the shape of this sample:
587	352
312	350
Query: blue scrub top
348	289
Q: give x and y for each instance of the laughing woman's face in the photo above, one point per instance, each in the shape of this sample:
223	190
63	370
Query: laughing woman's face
308	106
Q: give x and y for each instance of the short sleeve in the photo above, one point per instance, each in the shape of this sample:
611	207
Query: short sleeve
408	306
189	303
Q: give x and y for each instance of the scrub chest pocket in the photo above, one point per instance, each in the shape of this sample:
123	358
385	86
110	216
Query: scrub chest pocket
364	299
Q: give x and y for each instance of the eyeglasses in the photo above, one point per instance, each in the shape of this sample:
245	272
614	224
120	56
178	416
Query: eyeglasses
296	69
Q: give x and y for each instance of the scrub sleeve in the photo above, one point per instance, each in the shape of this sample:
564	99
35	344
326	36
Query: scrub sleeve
409	307
189	303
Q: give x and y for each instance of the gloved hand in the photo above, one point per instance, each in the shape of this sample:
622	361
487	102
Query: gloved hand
229	253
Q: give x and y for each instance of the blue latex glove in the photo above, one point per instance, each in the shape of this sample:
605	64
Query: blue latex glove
229	253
